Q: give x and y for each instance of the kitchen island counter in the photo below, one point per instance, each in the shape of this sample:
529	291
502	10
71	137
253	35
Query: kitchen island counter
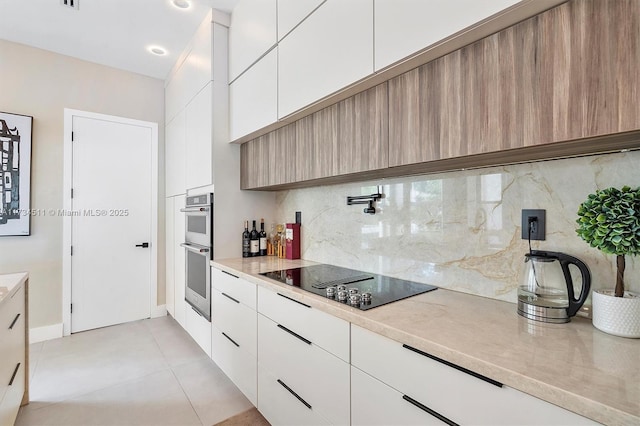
574	365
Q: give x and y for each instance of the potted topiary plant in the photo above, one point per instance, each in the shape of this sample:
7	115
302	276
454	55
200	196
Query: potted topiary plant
609	220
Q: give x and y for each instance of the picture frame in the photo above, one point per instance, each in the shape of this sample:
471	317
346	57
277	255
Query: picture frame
15	174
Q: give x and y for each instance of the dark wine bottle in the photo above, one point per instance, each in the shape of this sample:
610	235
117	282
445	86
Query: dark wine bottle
246	243
254	240
263	239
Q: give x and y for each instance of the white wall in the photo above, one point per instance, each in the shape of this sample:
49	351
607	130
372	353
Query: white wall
41	84
461	230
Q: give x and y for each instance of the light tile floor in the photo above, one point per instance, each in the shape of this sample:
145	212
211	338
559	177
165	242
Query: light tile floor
147	372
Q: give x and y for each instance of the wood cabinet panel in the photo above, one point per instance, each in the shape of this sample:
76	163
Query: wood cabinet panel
254	169
363	131
316	144
568	73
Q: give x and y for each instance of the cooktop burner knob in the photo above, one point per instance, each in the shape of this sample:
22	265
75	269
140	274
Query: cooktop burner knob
342	295
366	296
331	291
342	287
353	290
354	299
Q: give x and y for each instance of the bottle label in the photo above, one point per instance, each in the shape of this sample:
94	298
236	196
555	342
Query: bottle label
263	243
289	234
254	246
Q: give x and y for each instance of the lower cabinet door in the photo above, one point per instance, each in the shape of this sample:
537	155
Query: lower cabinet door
282	404
10	404
198	328
320	377
375	404
236	362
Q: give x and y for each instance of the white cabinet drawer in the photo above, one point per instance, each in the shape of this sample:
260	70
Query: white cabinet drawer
324	330
237	288
375	404
282	405
198	328
236	320
455	394
319	377
237	363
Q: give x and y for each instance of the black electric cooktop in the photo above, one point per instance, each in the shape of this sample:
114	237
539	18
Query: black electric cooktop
318	278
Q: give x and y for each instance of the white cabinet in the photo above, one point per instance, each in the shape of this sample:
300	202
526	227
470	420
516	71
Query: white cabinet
170	261
199	328
179	259
199	152
175	159
281	405
303	358
12	354
329	50
252	33
254	97
292	12
318	377
442	389
234	331
404	27
374	403
324	330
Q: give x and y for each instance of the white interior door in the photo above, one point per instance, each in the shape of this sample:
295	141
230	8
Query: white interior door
111	217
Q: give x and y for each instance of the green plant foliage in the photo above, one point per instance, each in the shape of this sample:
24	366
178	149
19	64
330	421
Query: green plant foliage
609	220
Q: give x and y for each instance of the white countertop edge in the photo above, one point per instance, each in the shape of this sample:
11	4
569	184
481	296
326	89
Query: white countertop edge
563	398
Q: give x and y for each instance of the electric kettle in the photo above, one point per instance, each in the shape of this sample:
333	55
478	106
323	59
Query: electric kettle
546	293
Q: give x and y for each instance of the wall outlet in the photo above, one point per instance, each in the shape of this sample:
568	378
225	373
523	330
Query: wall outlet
537	220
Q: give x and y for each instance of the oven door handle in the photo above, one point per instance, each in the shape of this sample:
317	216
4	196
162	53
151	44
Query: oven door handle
195	209
196	249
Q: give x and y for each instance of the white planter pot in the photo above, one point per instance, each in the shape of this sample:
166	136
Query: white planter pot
619	316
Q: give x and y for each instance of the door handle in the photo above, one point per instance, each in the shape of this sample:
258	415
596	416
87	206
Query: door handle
143	245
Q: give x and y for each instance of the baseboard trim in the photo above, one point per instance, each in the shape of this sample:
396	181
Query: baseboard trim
159	311
48	332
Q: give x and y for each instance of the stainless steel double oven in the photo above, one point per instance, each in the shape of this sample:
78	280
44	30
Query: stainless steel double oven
199	252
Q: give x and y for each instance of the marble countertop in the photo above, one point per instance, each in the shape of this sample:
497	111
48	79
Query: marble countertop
8	282
572	365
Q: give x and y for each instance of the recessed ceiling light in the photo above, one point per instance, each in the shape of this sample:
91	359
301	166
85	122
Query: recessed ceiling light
157	50
181	4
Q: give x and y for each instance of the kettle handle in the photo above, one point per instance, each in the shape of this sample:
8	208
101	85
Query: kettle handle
575	304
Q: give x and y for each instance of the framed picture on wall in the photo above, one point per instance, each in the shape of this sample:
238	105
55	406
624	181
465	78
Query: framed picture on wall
15	174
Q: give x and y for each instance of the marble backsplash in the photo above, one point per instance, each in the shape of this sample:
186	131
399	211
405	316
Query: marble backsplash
461	230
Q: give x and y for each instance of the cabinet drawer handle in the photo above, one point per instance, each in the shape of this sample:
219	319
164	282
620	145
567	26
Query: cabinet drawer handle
229	297
13	376
294	334
295	394
429	410
457	367
293	300
229	273
15	320
231	340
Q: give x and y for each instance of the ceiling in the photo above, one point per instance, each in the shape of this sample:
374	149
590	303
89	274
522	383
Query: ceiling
115	33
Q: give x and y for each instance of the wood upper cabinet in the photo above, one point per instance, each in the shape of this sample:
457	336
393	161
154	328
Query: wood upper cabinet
565	74
316	144
270	159
363	131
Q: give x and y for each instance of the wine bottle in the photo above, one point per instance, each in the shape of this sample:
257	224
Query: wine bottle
254	240
263	239
246	245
